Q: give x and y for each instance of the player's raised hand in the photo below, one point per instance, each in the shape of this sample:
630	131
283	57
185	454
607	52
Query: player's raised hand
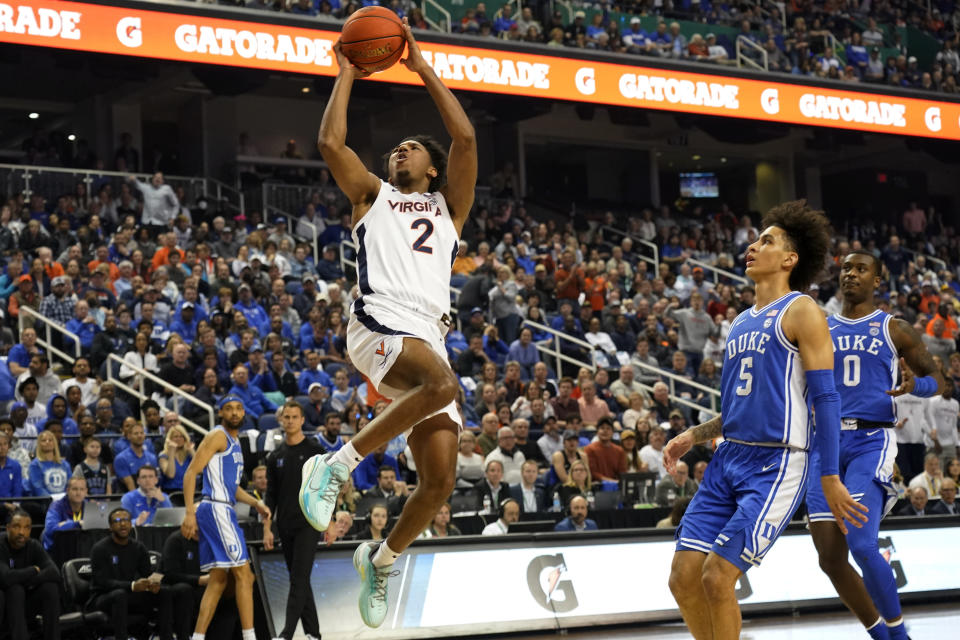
675	449
414	60
844	508
907	379
345	65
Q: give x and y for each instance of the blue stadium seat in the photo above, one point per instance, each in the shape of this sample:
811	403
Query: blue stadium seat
266	422
293	288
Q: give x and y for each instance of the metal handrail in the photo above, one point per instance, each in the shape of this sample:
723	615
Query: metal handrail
566	6
717	270
943	265
292	223
47	343
744	60
141	393
210	186
674	378
637	240
438	7
687	403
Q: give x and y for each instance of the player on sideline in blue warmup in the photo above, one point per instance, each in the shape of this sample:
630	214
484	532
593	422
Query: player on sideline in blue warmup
778	362
870	346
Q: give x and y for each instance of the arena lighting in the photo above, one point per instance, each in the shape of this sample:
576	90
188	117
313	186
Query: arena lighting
305	90
164	34
723	160
33	115
71	137
695	156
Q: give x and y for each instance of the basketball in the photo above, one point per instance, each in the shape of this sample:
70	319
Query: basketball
372	38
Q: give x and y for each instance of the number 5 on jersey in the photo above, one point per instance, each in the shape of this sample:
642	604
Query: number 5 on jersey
745	366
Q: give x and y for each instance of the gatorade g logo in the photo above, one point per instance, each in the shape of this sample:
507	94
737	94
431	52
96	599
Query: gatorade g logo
743	590
889	553
547	586
128	32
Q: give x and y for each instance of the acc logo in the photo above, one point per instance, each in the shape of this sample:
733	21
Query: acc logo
586	81
129	33
547	586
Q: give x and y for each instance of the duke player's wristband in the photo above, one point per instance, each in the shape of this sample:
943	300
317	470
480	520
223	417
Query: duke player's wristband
924	387
826	405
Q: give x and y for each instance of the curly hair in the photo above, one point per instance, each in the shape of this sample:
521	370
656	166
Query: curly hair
808	233
438	158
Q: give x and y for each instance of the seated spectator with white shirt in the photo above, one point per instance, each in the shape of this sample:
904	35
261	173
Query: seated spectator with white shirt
652	453
509	512
947	505
532	498
508	455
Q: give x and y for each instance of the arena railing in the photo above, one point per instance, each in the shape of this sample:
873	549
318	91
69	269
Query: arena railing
293	223
717	272
551	348
926	256
638	241
47	342
53	182
141	393
747	59
444	22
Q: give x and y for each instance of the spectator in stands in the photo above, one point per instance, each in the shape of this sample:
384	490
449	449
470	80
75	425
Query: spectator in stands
508	455
931	478
530	496
606	458
509	512
492	486
11	478
394	492
160	204
18	358
95	473
472	360
938	339
625	386
366	475
29	581
918	503
577	483
89	387
24	431
25	296
652	453
524	352
83	325
470	467
255	403
715	52
131	459
48	471
503	304
329	435
565	406
146	498
592	408
312	372
377	520
47	382
328	268
65	513
676	485
529	449
576	519
176	455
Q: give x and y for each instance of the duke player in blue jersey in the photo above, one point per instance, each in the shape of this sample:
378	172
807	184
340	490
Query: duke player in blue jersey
778	362
870	346
223	550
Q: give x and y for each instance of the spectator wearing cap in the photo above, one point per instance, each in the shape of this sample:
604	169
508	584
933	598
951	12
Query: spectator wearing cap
254	402
306	300
186	325
715	52
227	246
635	38
328	267
912	76
874	70
25	296
252	311
606	458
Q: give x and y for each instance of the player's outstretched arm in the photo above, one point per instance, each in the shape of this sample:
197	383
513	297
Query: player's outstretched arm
915	361
805	325
462	158
360	186
212	443
679	445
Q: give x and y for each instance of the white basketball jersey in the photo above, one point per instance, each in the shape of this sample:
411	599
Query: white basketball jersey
406	244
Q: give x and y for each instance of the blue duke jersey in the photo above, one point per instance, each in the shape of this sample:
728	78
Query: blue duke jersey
866	365
223	473
406	244
763	384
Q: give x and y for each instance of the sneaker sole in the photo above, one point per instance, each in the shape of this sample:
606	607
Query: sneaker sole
306	474
358	564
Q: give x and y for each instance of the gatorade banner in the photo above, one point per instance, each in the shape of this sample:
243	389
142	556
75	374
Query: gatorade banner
295	49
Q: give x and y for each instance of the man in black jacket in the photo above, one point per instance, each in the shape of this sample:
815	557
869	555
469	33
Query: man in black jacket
299	539
28	581
122	580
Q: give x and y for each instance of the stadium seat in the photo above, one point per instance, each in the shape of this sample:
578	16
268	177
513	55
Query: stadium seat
266	422
76	584
365	503
461	504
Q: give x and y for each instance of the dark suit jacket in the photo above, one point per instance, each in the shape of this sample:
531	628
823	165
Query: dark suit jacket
483	489
908	510
516	492
394	503
939	508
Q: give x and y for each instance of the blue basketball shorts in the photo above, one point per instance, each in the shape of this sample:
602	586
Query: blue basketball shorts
866	464
747	498
221	544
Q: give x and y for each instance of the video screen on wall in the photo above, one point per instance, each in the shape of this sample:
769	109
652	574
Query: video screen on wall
699	185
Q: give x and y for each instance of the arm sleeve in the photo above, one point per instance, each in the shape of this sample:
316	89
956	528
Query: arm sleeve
826	406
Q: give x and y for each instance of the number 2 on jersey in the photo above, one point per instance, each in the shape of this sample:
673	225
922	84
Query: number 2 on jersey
745	365
420	243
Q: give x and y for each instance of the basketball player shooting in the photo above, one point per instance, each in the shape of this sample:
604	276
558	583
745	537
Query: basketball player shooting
406	230
777	366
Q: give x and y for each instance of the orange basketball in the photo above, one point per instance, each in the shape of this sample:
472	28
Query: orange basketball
372	38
